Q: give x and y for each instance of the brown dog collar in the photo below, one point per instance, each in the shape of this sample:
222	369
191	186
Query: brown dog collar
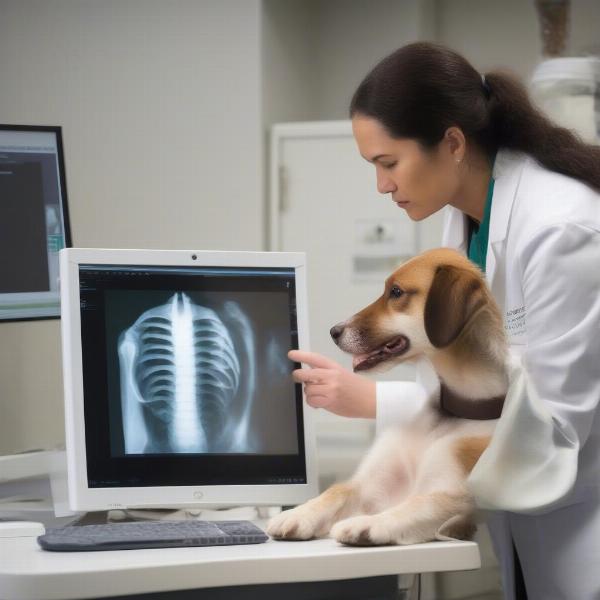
465	408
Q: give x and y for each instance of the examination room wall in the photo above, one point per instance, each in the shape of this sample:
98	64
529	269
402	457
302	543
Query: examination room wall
160	108
350	36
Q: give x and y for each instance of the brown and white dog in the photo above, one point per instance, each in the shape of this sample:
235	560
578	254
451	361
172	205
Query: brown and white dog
411	485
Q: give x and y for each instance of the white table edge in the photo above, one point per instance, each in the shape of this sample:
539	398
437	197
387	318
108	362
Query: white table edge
187	568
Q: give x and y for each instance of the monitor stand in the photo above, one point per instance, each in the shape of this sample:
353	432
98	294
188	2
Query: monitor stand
248	513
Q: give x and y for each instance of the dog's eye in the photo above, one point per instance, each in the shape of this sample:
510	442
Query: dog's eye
396	292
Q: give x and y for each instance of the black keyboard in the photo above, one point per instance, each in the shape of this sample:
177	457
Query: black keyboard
151	534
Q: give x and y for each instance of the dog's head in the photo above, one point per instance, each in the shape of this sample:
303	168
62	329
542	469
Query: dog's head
427	305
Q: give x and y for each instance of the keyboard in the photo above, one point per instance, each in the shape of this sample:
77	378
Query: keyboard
150	534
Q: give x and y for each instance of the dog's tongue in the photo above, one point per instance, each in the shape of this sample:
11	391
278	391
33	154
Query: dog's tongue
358	358
390	348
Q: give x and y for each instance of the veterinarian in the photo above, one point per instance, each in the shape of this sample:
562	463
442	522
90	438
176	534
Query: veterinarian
522	200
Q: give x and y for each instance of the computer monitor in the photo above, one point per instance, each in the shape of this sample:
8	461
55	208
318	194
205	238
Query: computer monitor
178	390
34	221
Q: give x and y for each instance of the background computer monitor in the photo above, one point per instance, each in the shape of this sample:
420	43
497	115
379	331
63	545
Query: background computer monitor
34	221
178	390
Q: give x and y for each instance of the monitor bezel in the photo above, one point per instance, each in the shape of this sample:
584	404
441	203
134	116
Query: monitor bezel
84	498
62	180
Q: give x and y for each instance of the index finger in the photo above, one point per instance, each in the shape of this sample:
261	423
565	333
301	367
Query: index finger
316	376
312	359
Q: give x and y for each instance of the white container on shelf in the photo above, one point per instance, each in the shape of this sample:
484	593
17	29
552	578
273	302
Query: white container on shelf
568	90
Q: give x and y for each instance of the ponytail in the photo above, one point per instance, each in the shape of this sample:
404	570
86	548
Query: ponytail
422	89
518	125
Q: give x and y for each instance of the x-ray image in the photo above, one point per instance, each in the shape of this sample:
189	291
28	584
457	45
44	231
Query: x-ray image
203	374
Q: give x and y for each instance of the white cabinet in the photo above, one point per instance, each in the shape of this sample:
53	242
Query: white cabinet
324	202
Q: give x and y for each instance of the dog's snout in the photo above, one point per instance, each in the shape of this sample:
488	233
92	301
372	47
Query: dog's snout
336	331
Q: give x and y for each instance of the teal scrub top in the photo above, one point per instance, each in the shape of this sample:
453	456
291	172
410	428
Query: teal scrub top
479	233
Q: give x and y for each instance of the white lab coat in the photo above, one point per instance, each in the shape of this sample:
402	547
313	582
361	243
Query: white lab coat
540	476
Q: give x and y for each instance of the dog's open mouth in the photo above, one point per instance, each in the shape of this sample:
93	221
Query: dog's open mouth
395	347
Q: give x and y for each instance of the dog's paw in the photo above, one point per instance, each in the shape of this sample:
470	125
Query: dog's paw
366	530
379	530
298	523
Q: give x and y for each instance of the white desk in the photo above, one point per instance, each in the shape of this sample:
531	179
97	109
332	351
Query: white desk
27	572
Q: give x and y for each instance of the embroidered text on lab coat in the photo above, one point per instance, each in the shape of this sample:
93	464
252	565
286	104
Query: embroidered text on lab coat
515	321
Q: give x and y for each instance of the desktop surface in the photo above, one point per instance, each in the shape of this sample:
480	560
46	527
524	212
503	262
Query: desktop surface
27	571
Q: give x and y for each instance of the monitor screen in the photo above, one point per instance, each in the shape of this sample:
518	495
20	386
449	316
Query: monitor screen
34	222
185	376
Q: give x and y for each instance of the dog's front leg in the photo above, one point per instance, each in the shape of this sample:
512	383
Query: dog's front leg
439	501
415	520
315	517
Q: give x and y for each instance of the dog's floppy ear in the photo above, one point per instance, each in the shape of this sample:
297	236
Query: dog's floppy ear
454	297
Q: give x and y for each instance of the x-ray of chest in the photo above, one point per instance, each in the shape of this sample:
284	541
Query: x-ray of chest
201	379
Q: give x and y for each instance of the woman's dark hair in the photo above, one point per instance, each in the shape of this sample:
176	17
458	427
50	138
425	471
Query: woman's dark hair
423	88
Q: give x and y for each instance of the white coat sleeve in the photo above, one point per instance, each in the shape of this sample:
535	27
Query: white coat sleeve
398	402
531	462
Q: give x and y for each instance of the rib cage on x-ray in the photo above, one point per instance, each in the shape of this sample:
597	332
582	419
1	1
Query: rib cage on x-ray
187	379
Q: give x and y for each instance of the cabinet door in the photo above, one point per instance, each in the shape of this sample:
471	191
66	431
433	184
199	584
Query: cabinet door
325	203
